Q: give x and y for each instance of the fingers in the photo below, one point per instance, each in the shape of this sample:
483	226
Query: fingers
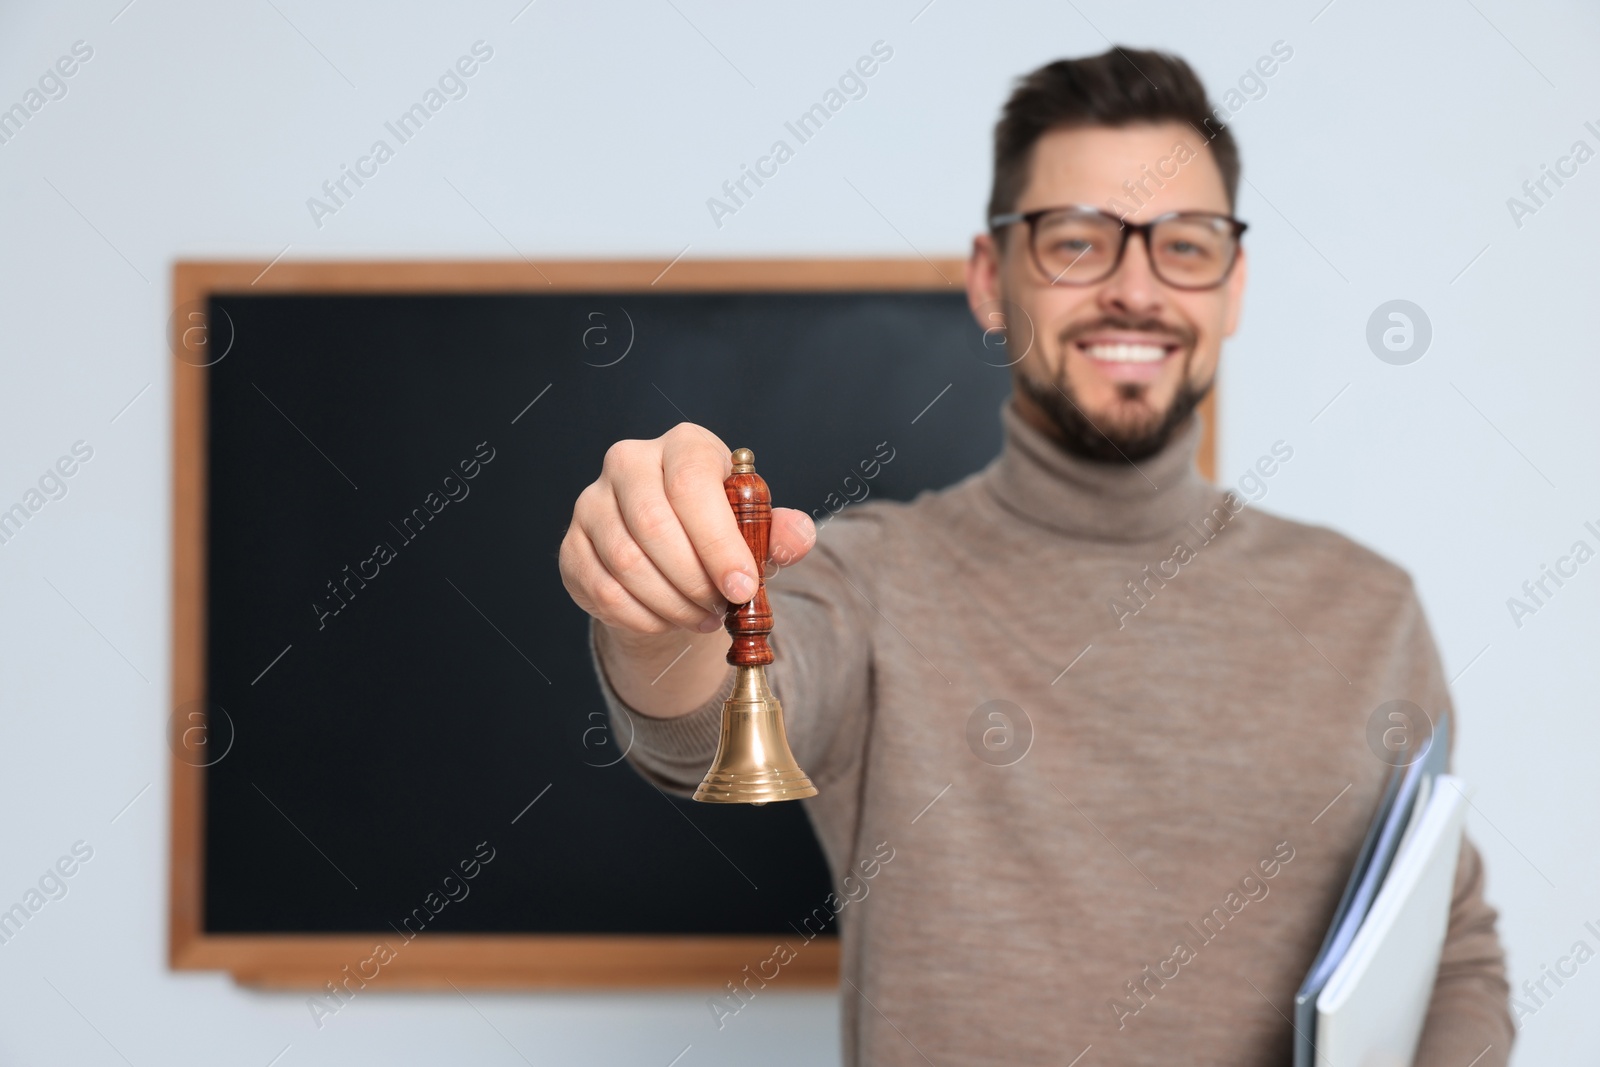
597	592
694	465
654	546
793	534
652	523
626	564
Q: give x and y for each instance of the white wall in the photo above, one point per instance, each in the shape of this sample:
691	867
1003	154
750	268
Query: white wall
1379	162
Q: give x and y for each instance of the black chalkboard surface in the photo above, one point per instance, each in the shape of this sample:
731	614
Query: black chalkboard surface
406	683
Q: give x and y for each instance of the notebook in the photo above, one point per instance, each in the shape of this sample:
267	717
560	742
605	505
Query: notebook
1389	825
1372	1011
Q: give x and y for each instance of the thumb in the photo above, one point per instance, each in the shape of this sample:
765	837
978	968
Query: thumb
793	534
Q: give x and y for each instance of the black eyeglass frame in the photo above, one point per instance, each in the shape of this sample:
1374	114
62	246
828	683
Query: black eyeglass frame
1143	229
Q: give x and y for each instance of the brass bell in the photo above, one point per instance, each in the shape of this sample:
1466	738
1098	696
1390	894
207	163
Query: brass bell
753	763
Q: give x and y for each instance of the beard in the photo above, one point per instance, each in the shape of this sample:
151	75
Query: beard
1105	440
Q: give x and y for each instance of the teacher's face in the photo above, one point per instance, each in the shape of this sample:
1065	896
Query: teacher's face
1116	366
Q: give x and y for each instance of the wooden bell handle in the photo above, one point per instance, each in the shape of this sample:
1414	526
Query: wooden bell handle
750	622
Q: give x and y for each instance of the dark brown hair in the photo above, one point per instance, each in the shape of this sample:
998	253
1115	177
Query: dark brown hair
1118	87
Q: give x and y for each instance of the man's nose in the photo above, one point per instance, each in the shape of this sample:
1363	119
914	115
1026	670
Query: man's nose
1133	286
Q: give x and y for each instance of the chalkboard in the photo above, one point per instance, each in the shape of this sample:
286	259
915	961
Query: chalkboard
385	714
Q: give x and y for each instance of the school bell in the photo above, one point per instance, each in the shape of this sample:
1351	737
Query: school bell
753	764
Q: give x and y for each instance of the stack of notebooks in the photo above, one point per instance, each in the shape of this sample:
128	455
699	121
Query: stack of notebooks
1366	997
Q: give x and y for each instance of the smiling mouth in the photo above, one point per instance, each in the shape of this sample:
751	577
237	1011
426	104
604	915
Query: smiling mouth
1125	361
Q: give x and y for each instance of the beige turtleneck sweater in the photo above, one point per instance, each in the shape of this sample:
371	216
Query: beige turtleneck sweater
1140	856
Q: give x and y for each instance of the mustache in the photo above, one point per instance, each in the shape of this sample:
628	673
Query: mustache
1180	334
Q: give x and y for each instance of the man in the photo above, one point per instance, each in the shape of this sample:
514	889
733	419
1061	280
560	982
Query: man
1113	832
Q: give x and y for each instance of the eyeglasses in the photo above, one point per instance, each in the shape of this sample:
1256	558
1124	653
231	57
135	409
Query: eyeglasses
1081	245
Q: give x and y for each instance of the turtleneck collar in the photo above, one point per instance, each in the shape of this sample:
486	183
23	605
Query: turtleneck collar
1034	478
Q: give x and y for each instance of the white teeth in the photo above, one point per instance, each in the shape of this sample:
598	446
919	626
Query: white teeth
1124	353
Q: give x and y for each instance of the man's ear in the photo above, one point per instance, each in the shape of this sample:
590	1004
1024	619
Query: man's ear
983	277
1236	282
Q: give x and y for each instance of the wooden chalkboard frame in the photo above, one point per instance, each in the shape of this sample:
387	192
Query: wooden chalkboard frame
591	961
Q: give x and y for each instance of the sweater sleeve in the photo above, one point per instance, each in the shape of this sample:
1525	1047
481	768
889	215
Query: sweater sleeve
821	643
1469	1017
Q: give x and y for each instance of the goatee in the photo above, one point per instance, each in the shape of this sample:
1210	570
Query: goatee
1106	443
